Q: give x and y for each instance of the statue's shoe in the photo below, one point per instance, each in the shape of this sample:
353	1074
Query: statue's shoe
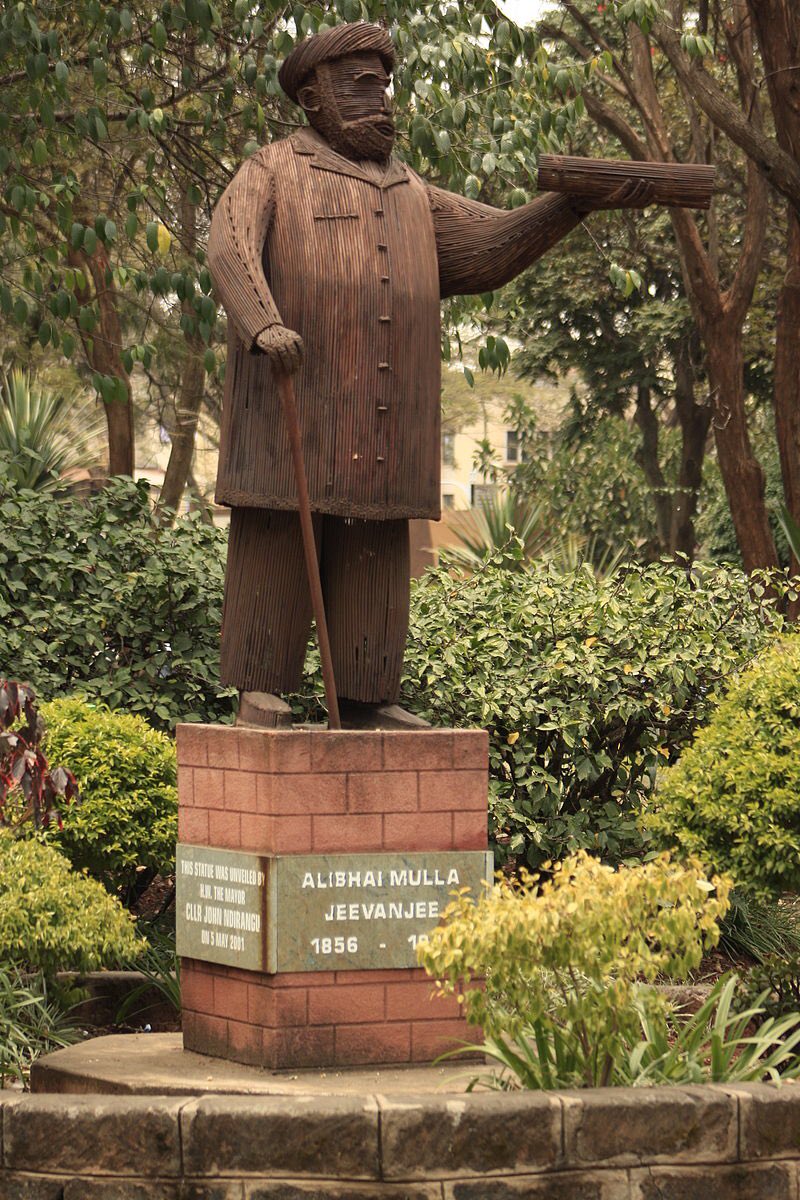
378	716
262	710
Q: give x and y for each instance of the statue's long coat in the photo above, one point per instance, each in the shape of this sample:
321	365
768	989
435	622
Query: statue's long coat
354	258
305	237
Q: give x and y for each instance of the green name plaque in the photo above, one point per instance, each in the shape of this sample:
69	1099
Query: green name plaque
322	912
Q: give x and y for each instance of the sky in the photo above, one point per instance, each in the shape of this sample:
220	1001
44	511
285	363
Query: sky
522	11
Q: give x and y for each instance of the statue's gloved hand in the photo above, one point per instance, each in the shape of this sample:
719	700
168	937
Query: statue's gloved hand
283	347
633	193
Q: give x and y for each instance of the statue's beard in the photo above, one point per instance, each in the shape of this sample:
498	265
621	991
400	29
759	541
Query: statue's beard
366	137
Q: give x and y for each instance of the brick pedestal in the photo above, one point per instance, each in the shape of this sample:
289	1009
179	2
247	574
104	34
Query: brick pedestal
320	792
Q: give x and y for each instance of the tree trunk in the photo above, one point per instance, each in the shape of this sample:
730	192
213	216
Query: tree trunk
777	25
694	420
103	353
649	428
787	376
190	396
741	472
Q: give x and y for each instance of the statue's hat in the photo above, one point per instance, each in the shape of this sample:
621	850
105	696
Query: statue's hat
351	38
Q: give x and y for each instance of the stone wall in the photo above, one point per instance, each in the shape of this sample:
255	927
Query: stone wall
695	1143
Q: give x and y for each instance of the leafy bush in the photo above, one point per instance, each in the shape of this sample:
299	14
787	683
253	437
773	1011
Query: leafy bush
31	1024
96	597
564	963
124	828
52	918
776	982
586	685
760	930
733	799
715	1044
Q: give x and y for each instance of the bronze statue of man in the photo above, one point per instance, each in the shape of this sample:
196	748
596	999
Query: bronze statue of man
331	257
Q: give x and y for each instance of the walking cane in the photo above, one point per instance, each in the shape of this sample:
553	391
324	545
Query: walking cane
286	389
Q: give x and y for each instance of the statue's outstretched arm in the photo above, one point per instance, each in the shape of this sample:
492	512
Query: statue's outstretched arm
481	248
239	230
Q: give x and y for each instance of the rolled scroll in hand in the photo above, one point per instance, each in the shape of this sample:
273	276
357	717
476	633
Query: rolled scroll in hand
676	185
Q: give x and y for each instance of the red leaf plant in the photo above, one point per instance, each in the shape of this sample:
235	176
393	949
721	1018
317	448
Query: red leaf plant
30	790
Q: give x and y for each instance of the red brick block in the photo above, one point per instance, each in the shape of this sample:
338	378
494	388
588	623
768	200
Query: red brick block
429	1039
454	790
230	998
332	834
290	750
191	745
426	750
254	750
222	746
287	1048
347	750
257	833
224	829
193	826
471	748
395	975
419	1002
346	1005
382	791
246	1043
239	790
357	1044
265	785
470	830
207	787
310	794
418	831
185	787
197	987
292	979
292	835
291	1007
205	1035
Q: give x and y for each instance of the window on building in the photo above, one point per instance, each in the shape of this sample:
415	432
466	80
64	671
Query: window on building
448	500
512	446
448	448
482	493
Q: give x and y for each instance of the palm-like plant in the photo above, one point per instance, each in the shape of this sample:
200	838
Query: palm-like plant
507	522
44	433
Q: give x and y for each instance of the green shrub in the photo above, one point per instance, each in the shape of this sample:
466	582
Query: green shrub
733	799
96	597
557	970
31	1023
124	827
52	918
586	685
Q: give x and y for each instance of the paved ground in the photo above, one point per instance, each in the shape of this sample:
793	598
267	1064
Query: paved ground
157	1064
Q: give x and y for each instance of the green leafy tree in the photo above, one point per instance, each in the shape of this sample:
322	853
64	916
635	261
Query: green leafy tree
123	122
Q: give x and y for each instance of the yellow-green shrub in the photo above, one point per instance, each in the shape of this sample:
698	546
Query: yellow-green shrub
126	819
52	918
567	959
733	798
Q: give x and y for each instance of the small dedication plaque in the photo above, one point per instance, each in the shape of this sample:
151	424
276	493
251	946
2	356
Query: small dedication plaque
316	912
220	904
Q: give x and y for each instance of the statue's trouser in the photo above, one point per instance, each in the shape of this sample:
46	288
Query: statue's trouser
266	620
